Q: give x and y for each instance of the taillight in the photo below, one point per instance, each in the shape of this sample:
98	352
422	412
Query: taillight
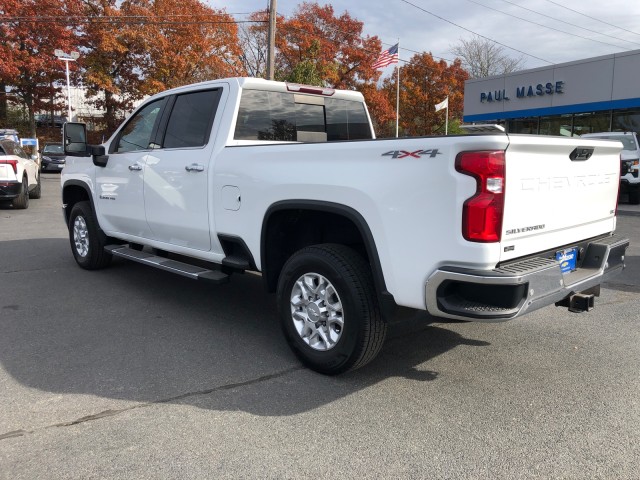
13	163
482	213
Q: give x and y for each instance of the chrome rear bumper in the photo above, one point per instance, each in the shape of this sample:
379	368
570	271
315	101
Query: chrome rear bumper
522	286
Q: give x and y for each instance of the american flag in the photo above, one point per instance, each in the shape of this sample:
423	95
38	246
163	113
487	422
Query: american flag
387	57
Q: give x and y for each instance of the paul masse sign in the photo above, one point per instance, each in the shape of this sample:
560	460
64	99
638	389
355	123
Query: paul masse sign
538	90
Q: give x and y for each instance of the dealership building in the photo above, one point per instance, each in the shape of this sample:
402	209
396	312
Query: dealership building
593	95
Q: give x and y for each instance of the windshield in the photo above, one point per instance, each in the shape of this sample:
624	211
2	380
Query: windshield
52	149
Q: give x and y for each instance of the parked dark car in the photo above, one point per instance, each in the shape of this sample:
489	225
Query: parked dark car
45	120
53	157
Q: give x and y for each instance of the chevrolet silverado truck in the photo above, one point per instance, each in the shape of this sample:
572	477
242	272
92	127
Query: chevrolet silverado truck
241	174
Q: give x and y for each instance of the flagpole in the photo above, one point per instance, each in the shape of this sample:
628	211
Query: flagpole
398	92
444	104
446	120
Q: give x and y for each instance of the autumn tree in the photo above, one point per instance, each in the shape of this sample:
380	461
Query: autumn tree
30	32
114	57
189	42
423	84
141	47
381	109
482	57
333	44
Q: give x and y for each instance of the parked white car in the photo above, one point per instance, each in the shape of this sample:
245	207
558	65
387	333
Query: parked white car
19	175
630	161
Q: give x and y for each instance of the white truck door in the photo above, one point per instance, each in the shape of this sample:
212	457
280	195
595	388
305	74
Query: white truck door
120	187
176	193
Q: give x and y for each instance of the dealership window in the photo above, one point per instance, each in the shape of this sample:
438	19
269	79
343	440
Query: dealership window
558	125
577	124
591	123
626	121
524	125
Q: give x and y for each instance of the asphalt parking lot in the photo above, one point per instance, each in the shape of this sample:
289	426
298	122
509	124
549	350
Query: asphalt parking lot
132	373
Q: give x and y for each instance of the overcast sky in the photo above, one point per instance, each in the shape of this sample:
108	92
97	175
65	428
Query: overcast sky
614	25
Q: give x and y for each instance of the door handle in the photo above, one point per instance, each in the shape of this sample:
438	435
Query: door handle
135	167
194	167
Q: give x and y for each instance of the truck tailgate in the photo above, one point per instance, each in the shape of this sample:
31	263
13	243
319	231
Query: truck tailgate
557	191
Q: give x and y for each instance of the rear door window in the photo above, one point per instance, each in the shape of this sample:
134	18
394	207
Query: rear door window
191	119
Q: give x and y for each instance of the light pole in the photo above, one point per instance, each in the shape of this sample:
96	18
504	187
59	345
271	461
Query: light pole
66	58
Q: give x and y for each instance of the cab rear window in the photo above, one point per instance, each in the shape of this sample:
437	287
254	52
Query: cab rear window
290	117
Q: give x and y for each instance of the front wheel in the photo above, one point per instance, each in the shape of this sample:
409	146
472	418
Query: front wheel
87	240
329	310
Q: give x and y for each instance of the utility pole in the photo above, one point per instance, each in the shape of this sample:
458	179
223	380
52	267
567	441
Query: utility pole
271	52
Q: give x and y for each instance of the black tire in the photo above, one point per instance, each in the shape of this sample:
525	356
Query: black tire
362	332
22	201
634	196
36	192
86	238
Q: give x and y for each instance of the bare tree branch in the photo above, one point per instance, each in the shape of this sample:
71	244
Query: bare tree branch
483	58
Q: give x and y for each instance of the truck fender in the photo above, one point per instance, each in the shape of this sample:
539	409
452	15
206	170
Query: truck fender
271	268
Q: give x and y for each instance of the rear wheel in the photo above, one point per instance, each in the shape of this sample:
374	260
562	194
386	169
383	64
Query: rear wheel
22	200
328	309
87	240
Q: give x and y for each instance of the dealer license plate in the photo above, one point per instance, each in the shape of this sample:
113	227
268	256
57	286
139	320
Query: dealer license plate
567	259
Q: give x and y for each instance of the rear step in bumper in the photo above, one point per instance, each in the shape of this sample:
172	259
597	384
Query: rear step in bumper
517	288
187	270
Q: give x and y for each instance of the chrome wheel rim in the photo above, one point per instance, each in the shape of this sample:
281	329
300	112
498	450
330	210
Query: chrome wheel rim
317	312
81	236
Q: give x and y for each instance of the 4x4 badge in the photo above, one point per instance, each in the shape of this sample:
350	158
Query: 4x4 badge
432	152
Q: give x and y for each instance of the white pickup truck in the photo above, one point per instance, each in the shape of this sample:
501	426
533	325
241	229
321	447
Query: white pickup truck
244	174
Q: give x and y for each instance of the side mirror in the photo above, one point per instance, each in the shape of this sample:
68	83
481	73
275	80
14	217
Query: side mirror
74	136
98	154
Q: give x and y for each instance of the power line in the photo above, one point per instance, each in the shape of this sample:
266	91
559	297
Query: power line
546	26
381	42
592	18
471	31
567	23
119	20
148	20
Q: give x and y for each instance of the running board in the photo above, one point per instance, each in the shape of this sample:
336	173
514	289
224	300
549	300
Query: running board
185	269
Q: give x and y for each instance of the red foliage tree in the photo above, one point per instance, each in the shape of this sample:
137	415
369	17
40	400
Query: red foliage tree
335	44
30	32
114	58
423	84
189	42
